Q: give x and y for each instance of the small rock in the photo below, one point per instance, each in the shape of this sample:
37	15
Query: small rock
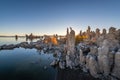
45	67
54	63
62	65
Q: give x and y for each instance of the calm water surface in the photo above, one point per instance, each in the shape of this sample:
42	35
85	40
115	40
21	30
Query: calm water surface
13	40
25	64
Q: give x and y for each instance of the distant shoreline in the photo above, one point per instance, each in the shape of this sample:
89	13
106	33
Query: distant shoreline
11	36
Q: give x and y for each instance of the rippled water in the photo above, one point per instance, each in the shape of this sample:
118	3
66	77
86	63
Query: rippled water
25	64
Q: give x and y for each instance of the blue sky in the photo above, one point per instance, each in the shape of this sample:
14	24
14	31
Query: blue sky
54	16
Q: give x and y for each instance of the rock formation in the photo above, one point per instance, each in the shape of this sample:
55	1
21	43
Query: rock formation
104	32
89	33
101	59
70	44
97	33
116	70
82	58
93	66
118	35
91	62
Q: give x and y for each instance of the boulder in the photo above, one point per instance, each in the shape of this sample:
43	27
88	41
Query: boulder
82	58
24	44
77	61
106	66
116	70
87	61
111	59
93	67
100	40
68	62
103	60
93	50
38	46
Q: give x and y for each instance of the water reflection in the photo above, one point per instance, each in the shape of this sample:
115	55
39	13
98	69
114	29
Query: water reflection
11	40
16	37
29	39
15	40
26	64
32	39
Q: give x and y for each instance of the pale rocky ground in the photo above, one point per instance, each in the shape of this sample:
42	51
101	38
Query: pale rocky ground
102	61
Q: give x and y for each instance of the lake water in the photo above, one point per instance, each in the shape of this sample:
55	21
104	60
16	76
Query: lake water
13	40
25	64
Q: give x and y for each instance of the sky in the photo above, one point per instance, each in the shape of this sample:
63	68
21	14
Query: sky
54	16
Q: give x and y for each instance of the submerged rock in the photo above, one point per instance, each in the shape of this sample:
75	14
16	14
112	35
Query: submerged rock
54	63
45	67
